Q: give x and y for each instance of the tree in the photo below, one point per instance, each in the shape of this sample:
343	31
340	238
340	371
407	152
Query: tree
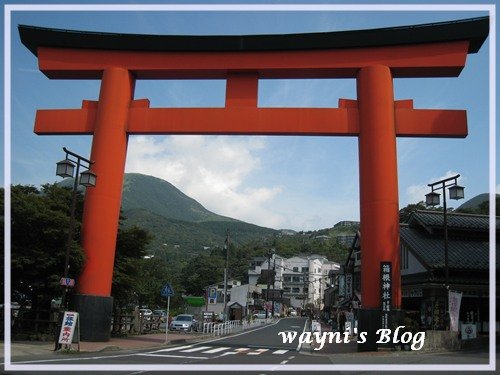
405	212
39	233
201	271
131	247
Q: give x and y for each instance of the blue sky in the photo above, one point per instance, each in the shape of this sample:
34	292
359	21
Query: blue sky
302	183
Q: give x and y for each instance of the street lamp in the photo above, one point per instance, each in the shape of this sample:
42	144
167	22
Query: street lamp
65	168
432	199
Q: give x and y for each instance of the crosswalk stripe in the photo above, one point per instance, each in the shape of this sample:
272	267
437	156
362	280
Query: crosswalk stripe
258	351
174	348
216	350
280	351
241	350
195	349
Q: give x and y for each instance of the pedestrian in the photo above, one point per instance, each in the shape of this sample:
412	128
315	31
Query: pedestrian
342	320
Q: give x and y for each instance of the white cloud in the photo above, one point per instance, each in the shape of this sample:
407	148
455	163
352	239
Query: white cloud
497	190
416	193
213	170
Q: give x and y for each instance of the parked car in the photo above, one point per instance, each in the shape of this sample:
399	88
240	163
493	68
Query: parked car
184	322
146	313
293	313
261	315
161	313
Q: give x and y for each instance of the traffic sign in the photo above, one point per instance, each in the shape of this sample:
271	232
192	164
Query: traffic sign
66	281
167	290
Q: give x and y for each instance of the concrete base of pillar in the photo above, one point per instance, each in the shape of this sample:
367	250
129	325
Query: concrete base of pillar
369	321
95	313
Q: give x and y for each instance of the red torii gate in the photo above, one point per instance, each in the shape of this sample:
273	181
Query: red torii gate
372	57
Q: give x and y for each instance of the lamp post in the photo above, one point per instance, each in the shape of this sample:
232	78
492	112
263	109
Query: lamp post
65	168
432	199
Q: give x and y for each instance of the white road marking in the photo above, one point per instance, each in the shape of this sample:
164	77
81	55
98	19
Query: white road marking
286	360
227	353
195	349
216	350
280	351
174	348
170	356
258	351
242	350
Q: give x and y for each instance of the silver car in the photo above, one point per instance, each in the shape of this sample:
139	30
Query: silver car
184	322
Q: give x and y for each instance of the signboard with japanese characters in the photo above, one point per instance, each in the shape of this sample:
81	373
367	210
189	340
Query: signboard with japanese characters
341	285
68	328
348	286
386	292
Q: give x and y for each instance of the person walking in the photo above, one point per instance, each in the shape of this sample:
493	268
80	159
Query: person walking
341	320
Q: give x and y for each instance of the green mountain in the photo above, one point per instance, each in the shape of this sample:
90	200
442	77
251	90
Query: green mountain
476	201
162	198
177	221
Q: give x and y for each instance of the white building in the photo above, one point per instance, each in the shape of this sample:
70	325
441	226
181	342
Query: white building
217	305
301	278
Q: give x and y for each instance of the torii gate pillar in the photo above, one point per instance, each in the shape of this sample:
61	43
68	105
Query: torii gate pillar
102	204
378	183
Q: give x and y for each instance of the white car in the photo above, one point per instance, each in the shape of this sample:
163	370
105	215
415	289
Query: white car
293	313
261	315
184	322
146	313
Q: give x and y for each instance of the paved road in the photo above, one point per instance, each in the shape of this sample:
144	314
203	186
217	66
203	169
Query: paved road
258	351
267	336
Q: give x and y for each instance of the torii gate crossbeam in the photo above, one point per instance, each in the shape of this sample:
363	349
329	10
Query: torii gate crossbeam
372	57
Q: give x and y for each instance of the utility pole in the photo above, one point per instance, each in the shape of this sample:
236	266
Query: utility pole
269	253
226	246
274	284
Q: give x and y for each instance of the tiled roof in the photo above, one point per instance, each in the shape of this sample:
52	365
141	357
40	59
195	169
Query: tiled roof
469	222
462	254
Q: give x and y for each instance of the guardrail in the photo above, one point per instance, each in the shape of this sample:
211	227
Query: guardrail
219	329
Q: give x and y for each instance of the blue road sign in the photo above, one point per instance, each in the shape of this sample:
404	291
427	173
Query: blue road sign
167	290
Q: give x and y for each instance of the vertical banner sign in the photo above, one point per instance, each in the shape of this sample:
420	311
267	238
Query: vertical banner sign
68	327
386	292
341	285
454	301
348	286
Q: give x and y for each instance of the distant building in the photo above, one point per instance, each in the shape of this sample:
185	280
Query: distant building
345	239
301	280
218	306
346	224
